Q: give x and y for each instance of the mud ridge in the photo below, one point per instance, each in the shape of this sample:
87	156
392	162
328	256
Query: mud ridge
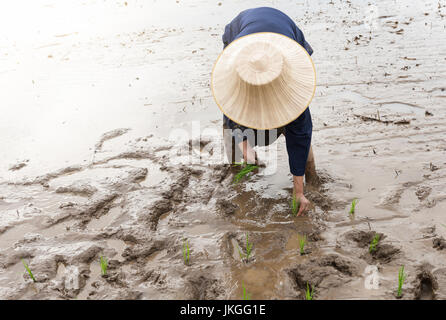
108	136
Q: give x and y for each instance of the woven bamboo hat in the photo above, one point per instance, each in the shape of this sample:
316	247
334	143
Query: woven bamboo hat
263	80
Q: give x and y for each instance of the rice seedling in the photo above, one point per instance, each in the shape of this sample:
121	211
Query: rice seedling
353	206
186	252
247	168
401	278
308	294
245	294
374	243
295	205
248	249
28	270
104	266
302	243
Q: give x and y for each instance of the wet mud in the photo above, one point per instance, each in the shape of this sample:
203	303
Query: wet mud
113	189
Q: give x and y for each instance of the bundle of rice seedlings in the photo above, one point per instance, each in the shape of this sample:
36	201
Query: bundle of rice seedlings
302	243
308	294
104	266
295	205
246	168
374	243
401	277
245	294
353	206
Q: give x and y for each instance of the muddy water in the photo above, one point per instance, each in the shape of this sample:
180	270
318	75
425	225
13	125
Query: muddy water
87	168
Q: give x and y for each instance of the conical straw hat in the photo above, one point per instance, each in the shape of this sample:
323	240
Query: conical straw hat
263	80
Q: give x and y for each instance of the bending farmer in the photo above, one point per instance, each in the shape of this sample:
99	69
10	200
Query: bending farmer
263	82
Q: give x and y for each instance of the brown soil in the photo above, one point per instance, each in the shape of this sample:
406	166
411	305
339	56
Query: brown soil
101	178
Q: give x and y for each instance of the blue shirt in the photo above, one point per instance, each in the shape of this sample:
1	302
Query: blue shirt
297	133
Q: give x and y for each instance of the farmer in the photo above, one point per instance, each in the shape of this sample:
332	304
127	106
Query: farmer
263	83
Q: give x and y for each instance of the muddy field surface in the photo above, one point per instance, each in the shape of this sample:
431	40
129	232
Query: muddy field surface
93	164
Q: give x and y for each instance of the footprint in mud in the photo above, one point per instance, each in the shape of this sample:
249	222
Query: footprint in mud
422	192
439	243
323	273
391	199
201	287
226	207
440	276
361	237
425	283
320	195
238	245
383	252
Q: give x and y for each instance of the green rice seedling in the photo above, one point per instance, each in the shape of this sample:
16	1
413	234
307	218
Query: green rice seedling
248	250
374	243
186	252
246	169
302	243
401	277
245	294
308	294
104	266
28	270
248	247
295	205
353	206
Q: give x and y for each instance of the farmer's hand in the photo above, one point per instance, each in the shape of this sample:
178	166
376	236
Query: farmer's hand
298	182
304	203
251	157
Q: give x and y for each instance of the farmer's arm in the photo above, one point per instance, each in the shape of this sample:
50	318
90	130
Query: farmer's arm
298	138
298	141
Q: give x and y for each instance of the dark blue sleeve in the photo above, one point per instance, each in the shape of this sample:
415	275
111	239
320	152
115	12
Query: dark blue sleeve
300	38
298	141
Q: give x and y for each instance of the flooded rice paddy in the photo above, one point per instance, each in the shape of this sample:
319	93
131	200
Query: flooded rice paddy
90	166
